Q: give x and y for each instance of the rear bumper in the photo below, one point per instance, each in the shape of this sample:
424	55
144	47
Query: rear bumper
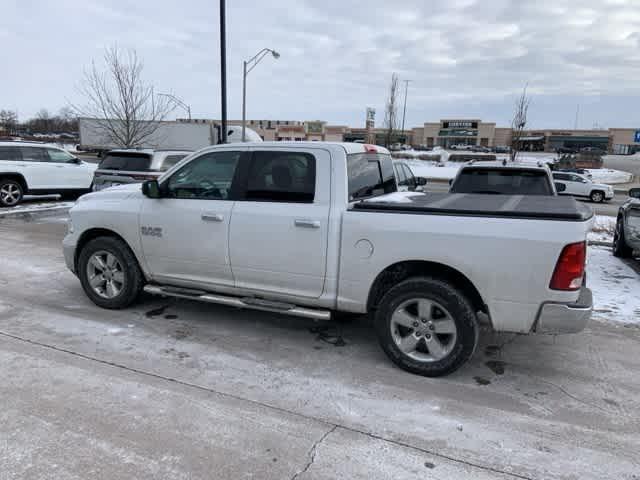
557	318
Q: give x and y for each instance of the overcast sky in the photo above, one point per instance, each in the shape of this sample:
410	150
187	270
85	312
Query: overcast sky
465	58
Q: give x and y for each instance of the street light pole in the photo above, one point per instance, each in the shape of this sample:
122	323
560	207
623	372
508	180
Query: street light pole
246	68
178	101
223	71
404	112
244	100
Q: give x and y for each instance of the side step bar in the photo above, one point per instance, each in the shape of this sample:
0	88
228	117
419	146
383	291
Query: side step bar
246	302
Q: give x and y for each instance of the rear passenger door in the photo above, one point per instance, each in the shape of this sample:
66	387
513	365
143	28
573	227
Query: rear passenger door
39	172
279	224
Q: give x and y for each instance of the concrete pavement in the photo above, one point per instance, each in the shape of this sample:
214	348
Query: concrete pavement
176	389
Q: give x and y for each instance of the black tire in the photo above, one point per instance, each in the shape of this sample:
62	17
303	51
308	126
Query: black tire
461	312
133	278
597	196
74	195
11	192
620	247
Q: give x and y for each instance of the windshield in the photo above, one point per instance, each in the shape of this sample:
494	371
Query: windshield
502	181
370	175
132	162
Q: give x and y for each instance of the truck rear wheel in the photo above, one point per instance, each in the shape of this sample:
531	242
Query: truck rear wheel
620	247
109	273
427	326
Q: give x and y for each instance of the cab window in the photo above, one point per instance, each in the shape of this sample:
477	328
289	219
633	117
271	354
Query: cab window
208	177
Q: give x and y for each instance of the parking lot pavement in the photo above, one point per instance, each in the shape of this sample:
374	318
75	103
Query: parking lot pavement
177	389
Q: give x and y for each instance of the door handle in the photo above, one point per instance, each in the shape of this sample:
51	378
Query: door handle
304	223
212	217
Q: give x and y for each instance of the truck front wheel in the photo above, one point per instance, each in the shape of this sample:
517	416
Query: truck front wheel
109	273
427	326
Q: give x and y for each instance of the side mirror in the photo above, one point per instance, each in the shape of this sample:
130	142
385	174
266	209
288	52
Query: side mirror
634	192
75	160
450	181
560	187
151	189
421	181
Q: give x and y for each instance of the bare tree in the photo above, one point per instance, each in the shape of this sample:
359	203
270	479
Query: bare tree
519	122
8	121
391	111
126	106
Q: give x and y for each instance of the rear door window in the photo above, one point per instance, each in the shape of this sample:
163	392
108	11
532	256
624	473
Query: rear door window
34	154
10	153
130	162
370	175
281	177
502	181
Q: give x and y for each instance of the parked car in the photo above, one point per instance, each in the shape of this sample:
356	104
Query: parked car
593	150
319	227
462	146
626	238
29	168
503	178
502	149
406	180
567	150
134	166
480	149
580	186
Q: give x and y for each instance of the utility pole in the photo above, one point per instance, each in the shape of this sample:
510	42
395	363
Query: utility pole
223	71
575	124
404	111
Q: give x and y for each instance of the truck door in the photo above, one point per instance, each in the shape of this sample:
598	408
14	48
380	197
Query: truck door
278	234
184	234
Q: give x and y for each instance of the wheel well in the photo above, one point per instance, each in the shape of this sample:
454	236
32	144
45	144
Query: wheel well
17	177
89	235
396	273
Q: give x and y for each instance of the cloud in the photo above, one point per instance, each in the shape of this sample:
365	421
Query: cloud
337	57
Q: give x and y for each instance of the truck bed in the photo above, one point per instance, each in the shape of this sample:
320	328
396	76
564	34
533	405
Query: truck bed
535	207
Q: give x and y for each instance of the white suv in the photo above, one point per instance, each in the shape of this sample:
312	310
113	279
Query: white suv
581	186
38	169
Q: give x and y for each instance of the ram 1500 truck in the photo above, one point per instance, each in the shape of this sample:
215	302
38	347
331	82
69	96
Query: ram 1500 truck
311	229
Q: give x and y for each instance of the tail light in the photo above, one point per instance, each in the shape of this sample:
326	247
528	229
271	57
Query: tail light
569	272
368	148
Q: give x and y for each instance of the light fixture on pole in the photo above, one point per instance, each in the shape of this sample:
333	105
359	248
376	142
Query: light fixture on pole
247	67
179	102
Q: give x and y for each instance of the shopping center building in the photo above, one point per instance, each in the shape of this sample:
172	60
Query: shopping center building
448	132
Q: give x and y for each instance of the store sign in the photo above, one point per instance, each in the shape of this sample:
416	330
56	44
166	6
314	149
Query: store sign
314	128
636	137
371	117
459	124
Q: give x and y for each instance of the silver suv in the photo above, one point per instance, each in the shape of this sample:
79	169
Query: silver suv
134	166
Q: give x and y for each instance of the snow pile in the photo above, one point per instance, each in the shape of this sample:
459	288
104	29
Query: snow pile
602	229
434	170
615	287
395	197
608	175
33	207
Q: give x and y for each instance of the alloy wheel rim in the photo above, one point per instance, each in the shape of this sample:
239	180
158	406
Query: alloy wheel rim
105	274
423	330
10	194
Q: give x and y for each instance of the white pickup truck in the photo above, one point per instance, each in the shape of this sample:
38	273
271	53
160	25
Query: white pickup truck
310	229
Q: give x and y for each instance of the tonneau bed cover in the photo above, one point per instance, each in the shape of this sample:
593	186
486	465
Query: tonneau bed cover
536	207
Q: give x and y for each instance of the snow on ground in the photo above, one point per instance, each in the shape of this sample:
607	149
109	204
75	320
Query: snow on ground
32	207
610	176
615	287
602	229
